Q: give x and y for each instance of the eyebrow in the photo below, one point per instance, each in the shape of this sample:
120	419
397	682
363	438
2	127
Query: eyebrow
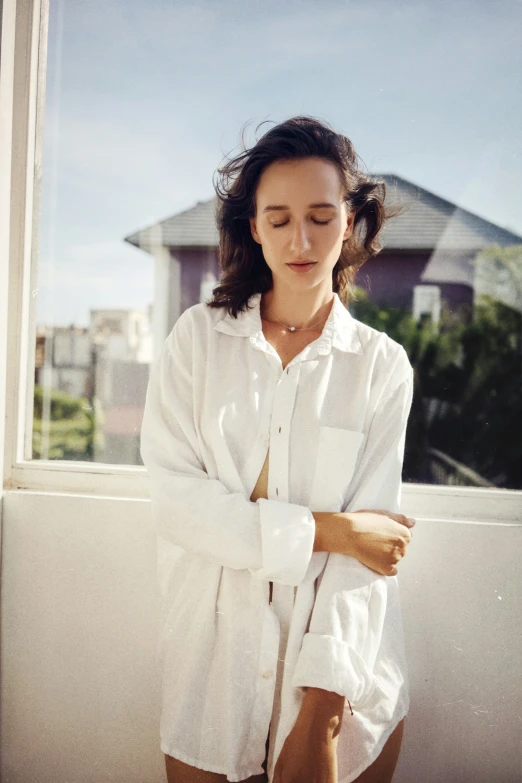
322	204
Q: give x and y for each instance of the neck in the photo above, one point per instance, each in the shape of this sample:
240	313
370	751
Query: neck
297	309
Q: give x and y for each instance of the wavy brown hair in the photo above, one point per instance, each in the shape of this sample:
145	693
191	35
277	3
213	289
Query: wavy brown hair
244	269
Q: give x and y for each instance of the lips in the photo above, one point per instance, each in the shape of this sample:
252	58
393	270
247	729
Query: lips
302	267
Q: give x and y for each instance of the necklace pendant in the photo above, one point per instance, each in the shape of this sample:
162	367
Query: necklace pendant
292	328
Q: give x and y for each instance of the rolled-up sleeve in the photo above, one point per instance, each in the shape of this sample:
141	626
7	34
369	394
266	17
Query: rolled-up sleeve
272	539
338	653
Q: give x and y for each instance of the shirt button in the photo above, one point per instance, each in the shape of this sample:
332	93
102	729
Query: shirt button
267	675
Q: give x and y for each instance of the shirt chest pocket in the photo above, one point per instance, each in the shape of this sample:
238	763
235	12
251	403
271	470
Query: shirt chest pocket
337	455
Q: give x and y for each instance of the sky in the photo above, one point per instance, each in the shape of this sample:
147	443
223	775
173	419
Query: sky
144	101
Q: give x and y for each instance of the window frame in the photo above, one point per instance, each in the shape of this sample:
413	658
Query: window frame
22	101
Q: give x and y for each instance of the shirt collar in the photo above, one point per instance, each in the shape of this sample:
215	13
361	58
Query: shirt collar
340	330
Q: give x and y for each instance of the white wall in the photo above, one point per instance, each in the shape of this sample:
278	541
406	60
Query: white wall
80	694
462	606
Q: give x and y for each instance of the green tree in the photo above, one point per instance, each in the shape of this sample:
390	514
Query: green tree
74	427
467	401
499	269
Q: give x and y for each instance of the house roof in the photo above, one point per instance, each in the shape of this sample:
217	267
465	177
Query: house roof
428	222
194	227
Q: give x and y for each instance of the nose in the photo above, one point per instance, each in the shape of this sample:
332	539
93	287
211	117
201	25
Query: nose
300	240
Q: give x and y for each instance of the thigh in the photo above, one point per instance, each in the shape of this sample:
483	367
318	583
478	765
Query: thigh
382	769
179	772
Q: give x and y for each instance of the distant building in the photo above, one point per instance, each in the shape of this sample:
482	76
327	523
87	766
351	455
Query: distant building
424	264
63	355
124	334
110	361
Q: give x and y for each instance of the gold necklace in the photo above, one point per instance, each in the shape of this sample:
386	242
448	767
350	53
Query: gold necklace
295	328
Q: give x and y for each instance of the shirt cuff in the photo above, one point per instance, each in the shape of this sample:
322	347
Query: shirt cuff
287	535
331	664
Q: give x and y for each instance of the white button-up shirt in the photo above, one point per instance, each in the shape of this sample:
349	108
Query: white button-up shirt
334	419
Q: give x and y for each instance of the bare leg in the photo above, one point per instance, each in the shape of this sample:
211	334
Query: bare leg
382	769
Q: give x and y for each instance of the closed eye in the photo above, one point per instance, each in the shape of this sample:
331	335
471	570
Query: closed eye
317	222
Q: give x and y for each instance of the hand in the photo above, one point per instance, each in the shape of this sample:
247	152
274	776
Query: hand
378	538
309	753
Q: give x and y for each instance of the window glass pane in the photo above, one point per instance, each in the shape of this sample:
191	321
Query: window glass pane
143	101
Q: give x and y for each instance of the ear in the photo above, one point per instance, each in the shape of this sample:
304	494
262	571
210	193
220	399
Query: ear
255	235
349	226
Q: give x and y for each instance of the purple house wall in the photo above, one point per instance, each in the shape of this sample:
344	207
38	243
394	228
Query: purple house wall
390	278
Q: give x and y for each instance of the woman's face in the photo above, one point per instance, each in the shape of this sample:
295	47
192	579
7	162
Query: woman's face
301	216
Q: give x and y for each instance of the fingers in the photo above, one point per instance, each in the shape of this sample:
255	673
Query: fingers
399	550
403	535
408	522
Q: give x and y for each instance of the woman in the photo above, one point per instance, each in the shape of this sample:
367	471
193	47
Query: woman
273	433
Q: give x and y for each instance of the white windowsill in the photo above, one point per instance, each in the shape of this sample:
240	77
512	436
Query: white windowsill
437	503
